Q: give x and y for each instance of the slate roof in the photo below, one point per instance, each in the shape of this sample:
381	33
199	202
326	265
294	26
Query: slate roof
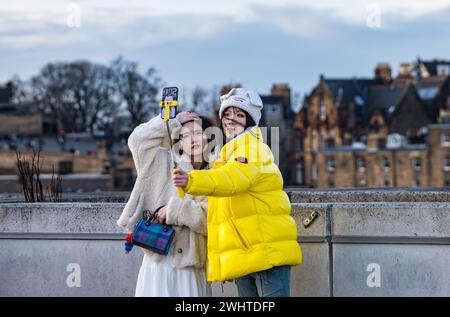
431	66
382	97
346	91
50	144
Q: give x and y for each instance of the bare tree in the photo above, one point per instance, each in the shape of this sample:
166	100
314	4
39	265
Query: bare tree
30	178
200	101
79	94
197	100
137	92
22	90
51	90
94	93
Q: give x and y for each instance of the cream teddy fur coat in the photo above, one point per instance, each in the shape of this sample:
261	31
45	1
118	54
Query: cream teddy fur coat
149	145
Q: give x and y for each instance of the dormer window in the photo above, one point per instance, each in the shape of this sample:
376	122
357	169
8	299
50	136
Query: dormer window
443	70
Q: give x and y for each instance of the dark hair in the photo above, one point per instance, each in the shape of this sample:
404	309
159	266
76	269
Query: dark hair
249	122
206	123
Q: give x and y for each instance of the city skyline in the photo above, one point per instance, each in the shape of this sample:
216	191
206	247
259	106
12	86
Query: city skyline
255	44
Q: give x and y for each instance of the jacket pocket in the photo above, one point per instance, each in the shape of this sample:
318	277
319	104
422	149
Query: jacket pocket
239	237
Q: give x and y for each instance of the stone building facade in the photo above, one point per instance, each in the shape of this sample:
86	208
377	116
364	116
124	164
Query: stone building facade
375	132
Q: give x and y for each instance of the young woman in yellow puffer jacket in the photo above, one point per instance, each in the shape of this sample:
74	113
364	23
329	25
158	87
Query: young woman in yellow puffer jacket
251	236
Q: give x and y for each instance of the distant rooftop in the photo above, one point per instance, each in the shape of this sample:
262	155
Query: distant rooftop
349	148
80	145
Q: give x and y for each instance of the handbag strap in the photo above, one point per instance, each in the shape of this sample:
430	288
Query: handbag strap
153	215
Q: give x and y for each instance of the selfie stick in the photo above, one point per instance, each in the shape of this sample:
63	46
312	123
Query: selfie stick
167	104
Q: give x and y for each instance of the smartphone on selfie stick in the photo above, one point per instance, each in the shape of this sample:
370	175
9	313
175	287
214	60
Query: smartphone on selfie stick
168	104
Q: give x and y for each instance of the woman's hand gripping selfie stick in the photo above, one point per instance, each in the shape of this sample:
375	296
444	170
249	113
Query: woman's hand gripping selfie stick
168	110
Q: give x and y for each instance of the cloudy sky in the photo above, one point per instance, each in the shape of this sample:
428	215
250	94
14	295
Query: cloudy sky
209	43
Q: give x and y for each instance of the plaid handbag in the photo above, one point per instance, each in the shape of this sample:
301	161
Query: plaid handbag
151	235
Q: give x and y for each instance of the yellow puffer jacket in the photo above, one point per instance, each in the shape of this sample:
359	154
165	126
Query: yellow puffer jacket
249	224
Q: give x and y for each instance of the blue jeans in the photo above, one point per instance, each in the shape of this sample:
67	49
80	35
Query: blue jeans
274	282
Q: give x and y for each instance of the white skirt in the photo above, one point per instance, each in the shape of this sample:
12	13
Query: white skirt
160	279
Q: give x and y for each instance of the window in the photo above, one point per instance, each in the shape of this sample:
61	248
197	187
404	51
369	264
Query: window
386	183
447	180
386	164
330	164
299	173
322	110
416	183
329	142
330	183
445	139
314	171
361	164
271	109
446	165
443	70
65	167
298	141
382	143
416	163
362	182
315	140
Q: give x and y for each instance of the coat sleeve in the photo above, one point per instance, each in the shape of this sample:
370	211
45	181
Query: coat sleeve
144	142
129	215
187	212
231	179
146	139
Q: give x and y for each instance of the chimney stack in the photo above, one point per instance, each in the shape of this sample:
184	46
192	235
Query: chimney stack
383	72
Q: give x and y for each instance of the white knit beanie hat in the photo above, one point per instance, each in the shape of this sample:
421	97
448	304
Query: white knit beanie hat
247	100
